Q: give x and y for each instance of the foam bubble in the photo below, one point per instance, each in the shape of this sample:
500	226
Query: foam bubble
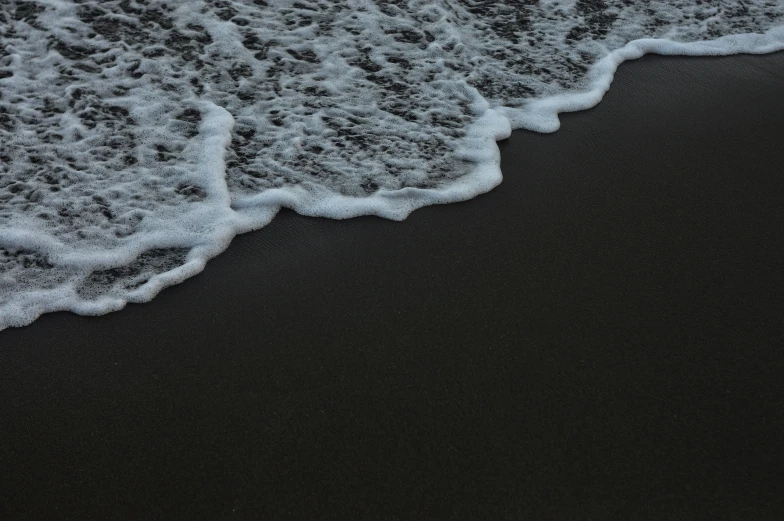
137	137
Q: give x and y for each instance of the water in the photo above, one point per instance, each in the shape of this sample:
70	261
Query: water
137	137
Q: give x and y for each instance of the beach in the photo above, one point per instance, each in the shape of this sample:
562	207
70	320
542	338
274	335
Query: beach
599	337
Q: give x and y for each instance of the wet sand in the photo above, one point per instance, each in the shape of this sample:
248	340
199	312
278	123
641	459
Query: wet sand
600	337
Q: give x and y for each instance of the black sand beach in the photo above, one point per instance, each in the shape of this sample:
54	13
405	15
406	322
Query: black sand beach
598	338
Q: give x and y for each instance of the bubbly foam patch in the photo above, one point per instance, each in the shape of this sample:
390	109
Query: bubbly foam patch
137	137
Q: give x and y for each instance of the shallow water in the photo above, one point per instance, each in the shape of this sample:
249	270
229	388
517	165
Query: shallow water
138	137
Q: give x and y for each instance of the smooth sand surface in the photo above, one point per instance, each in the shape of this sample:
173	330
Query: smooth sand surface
598	338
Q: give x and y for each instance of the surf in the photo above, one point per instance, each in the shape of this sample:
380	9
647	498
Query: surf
137	138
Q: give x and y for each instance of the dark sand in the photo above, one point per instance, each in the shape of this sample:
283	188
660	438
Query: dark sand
598	338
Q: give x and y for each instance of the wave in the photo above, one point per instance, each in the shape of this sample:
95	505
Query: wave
138	137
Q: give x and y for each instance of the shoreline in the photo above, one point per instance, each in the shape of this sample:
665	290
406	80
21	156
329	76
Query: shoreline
595	337
256	212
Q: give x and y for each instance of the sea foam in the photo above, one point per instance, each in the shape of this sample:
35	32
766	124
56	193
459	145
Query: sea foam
138	137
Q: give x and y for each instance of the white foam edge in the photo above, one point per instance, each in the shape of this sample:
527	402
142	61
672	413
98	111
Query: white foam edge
255	212
209	149
478	147
542	115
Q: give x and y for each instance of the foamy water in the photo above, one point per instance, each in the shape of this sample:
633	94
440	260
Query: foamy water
138	137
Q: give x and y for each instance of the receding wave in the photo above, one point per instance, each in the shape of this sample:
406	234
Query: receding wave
138	137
